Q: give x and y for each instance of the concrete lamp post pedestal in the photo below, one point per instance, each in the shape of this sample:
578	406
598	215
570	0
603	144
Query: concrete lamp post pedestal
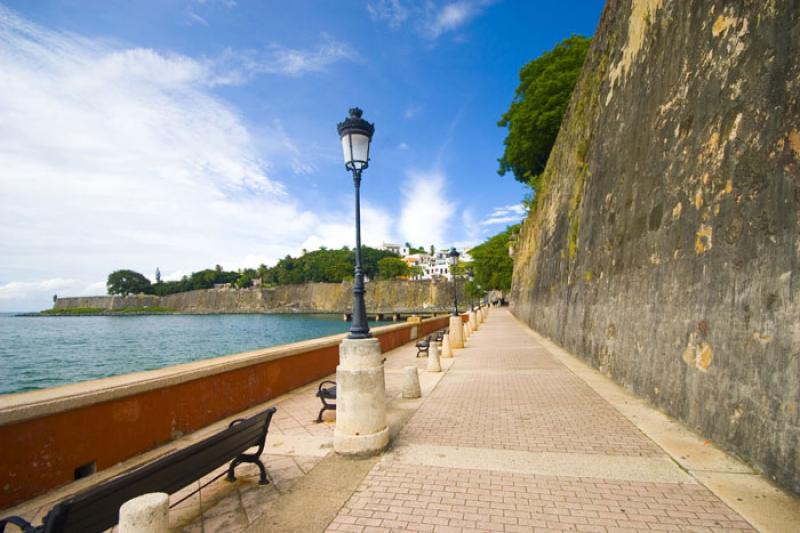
456	333
473	320
446	350
434	365
361	428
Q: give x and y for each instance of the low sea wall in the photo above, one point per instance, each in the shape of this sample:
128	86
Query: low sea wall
382	297
47	435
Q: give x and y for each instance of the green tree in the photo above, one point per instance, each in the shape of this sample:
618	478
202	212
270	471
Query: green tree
392	268
158	275
126	282
370	258
491	263
539	104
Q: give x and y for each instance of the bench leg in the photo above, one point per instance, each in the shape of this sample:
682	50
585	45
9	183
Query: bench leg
325	407
263	479
231	476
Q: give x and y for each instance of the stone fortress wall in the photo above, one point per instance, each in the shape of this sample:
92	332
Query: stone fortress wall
382	297
665	247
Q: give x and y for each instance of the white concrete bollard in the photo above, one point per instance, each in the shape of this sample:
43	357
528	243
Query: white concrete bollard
466	331
411	388
148	513
473	320
361	428
446	350
434	365
456	333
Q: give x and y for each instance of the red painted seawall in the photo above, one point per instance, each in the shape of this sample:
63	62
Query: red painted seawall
45	435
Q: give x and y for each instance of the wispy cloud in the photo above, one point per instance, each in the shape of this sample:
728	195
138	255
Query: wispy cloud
393	12
235	67
294	62
114	157
411	111
451	17
431	19
194	18
505	214
426	210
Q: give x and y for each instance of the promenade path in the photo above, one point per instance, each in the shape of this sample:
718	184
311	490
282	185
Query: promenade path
514	435
511	439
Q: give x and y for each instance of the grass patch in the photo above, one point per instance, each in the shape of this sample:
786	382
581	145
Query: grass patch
153	309
73	311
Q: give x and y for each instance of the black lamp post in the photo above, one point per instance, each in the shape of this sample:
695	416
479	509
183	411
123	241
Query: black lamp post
356	135
471	276
452	257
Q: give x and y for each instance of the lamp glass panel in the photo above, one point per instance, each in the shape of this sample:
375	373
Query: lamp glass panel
348	156
360	149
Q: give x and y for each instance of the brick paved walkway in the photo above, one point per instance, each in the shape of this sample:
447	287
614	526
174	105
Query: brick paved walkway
512	440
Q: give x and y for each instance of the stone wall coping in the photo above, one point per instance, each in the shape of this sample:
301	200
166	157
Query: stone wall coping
21	406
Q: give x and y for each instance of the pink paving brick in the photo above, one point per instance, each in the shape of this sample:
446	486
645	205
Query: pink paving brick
624	512
520	398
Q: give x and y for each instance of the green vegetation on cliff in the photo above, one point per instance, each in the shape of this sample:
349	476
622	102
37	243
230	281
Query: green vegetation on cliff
323	265
539	105
392	268
491	263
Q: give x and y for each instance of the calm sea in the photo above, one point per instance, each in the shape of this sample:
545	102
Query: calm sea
39	352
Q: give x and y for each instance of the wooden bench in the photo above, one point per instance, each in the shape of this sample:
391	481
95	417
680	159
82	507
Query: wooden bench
325	394
97	509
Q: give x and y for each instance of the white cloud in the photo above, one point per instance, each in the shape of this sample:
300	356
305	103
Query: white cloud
25	289
238	66
471	228
393	12
431	19
505	214
193	17
426	210
125	158
451	16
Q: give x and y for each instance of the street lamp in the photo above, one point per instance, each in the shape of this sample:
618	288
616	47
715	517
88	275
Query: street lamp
452	257
356	135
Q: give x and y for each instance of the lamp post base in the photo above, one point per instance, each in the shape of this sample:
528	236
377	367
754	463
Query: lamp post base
361	428
361	445
456	333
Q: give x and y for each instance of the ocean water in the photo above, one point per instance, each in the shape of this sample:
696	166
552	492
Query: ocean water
40	352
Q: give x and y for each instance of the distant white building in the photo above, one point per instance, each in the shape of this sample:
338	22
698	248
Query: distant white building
432	266
394	248
436	265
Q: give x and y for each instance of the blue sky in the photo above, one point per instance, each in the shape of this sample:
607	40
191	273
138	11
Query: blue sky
181	134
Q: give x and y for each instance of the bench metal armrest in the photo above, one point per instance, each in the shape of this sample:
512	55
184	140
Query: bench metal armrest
20	522
323	384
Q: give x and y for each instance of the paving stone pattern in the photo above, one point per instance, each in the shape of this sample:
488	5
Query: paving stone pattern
397	497
504	391
554	412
